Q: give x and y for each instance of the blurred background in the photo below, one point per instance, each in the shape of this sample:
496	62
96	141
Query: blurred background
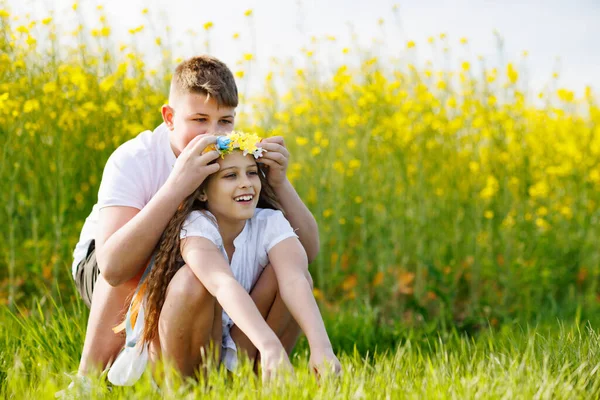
558	36
448	149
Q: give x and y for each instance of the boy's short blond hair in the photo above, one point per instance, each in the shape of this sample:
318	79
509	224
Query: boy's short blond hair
205	75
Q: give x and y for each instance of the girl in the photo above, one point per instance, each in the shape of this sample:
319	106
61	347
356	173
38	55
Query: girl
226	232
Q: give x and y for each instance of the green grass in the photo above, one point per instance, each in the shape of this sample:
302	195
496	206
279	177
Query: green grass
550	360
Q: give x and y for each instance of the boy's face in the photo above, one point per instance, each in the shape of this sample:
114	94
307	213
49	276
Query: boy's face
192	115
233	191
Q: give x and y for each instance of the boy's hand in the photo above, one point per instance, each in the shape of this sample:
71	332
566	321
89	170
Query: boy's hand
191	167
324	360
276	158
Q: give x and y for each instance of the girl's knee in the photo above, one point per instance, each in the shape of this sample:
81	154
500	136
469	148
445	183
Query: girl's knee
186	287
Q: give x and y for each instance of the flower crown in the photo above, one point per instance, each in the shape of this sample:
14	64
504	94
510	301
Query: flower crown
238	140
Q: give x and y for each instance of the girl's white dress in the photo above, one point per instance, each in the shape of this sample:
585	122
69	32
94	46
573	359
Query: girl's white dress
263	231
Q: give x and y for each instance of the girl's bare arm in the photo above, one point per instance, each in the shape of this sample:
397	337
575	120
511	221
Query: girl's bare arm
291	268
209	265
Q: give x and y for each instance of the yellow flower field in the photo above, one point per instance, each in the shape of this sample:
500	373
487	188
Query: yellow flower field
439	194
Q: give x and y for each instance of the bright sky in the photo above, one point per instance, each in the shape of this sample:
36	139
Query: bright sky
561	36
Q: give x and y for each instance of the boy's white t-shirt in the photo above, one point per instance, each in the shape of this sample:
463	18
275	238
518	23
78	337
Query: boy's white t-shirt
133	174
260	234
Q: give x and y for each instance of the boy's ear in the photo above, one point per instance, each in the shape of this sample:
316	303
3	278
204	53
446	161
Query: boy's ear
167	114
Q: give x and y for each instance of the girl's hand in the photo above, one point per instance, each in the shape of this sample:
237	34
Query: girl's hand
274	362
324	360
191	167
276	159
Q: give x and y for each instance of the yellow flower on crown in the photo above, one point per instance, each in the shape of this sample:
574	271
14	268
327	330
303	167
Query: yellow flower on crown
238	140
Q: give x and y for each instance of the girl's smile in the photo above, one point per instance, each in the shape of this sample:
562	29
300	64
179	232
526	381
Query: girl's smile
238	180
244	199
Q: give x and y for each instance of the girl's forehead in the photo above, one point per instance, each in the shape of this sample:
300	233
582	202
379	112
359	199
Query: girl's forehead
237	159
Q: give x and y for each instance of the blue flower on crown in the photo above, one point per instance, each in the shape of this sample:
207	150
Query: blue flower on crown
223	143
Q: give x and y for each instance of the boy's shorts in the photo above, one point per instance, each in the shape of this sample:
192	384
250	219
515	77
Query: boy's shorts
86	275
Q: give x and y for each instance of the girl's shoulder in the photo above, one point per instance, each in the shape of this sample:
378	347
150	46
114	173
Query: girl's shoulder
200	217
272	227
266	218
202	224
263	214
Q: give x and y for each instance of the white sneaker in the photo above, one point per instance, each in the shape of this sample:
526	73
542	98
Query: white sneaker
80	387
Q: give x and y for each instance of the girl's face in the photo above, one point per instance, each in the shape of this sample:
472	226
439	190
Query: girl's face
232	193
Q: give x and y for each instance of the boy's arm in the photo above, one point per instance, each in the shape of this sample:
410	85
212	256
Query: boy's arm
296	212
300	218
210	267
291	268
126	236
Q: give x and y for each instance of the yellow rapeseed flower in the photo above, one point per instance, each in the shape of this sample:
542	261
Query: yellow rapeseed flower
567	212
512	73
539	190
542	224
31	105
491	188
410	44
565	95
111	107
49	87
301	141
138	29
208	25
248	12
354	163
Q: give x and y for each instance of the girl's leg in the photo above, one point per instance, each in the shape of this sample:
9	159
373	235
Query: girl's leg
190	319
270	304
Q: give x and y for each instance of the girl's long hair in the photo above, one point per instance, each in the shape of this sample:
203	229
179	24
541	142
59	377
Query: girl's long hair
168	258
